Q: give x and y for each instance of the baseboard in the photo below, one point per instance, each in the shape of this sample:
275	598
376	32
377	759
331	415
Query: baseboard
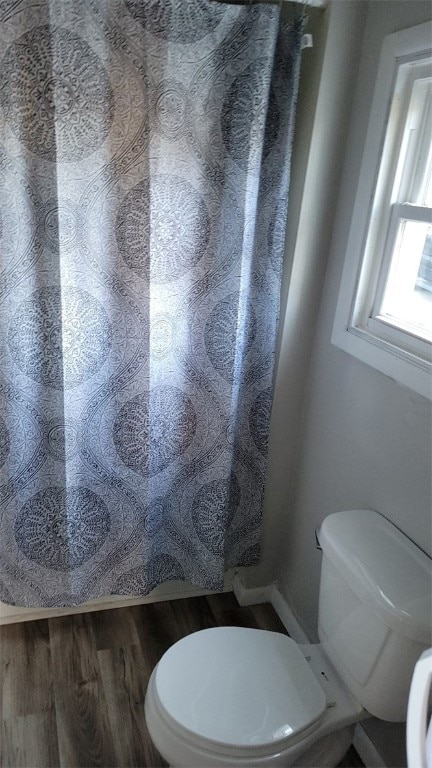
287	617
270	594
365	747
10	614
251	596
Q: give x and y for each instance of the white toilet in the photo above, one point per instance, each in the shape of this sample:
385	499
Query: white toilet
228	697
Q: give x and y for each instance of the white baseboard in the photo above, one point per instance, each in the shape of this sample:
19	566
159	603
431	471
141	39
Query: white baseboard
270	594
172	590
251	596
286	615
367	749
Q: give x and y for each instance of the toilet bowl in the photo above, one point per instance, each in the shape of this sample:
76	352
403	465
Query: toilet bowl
227	697
231	696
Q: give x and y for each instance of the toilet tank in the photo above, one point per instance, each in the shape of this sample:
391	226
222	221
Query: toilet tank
374	608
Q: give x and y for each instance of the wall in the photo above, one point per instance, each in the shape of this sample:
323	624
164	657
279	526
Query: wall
365	441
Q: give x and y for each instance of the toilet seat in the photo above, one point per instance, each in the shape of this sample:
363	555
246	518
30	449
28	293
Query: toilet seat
259	682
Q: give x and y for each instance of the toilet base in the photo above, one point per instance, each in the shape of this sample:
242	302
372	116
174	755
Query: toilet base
325	751
328	751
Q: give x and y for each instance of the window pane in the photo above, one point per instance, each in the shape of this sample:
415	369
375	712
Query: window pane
424	276
428	182
414	156
407	300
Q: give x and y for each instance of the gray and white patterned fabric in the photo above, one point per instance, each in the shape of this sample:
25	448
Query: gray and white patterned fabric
144	168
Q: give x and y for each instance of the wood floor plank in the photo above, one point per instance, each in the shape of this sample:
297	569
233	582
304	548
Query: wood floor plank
84	734
228	612
114	634
125	676
160	625
155	627
266	618
30	741
221	603
351	760
192	615
25	670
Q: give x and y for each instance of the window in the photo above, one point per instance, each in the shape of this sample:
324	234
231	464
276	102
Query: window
384	312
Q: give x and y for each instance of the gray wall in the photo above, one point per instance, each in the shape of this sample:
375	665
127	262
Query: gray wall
365	441
356	439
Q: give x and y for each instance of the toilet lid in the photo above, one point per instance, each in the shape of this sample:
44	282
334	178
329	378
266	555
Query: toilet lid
239	687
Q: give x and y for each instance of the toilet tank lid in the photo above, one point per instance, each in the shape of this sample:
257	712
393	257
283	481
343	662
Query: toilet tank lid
383	567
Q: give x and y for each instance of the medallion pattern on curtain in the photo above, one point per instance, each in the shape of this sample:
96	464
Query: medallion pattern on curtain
144	167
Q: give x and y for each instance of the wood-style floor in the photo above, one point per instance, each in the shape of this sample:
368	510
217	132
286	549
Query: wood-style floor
73	687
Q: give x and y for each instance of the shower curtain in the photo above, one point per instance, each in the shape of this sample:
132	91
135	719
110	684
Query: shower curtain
144	168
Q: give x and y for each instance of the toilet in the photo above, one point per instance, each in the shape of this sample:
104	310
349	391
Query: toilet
230	696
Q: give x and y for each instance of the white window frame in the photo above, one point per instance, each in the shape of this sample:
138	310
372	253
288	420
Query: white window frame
392	351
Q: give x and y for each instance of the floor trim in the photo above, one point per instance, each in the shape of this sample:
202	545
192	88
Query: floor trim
251	596
367	750
270	594
10	614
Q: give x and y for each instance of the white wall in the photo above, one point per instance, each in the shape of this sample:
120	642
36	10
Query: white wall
364	441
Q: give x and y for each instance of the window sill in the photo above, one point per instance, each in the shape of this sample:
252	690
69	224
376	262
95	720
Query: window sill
403	367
